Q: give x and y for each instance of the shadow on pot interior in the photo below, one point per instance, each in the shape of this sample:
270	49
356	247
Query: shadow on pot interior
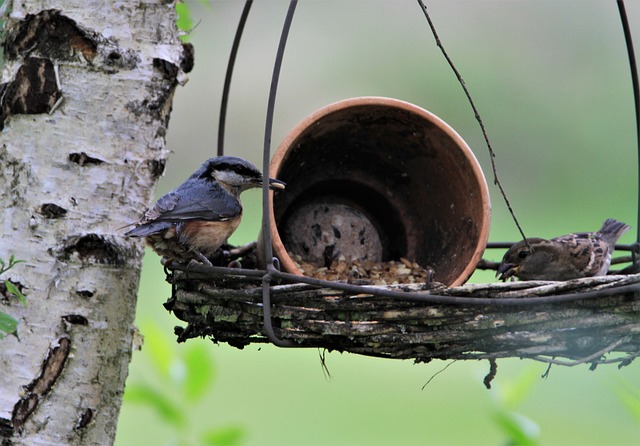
379	179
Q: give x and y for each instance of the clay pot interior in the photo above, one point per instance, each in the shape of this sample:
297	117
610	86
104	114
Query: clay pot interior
380	179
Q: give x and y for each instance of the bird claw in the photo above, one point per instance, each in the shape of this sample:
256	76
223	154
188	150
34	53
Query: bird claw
203	258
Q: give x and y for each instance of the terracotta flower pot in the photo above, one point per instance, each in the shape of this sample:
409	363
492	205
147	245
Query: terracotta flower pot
378	178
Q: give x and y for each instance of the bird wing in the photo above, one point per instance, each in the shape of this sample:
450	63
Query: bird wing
588	251
193	200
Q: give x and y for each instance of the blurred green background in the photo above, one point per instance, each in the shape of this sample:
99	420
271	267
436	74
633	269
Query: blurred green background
551	81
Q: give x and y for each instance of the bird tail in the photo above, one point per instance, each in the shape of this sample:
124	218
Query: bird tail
612	230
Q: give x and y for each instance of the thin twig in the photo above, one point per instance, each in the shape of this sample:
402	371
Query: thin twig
322	353
623	361
437	373
493	370
545	375
492	154
584	360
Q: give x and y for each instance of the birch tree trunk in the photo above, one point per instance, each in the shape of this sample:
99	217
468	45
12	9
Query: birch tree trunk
85	99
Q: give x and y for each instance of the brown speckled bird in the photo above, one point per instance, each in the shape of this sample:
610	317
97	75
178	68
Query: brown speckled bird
571	256
192	221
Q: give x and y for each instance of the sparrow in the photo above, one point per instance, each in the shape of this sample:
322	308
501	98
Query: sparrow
192	221
571	256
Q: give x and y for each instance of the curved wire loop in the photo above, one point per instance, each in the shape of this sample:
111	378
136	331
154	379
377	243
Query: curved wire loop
633	67
227	79
266	207
271	272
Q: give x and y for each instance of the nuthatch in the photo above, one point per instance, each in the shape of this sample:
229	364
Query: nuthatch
571	256
194	220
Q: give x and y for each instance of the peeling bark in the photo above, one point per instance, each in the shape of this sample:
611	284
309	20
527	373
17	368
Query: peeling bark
84	105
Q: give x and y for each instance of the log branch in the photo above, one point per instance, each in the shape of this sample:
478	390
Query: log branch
600	330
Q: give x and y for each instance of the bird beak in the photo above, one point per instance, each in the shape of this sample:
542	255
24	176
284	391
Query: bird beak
507	270
276	184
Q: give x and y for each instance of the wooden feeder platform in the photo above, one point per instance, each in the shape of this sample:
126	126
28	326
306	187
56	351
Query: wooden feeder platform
591	320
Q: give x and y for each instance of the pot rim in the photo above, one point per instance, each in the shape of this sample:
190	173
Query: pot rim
284	147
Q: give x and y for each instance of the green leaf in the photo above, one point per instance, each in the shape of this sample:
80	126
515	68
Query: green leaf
8	325
12	289
226	436
200	371
158	347
184	22
12	262
629	396
163	406
520	430
517	390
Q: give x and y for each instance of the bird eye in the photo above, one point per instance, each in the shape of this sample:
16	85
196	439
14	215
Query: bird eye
523	254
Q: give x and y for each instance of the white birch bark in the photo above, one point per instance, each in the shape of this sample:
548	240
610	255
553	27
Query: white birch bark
97	156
